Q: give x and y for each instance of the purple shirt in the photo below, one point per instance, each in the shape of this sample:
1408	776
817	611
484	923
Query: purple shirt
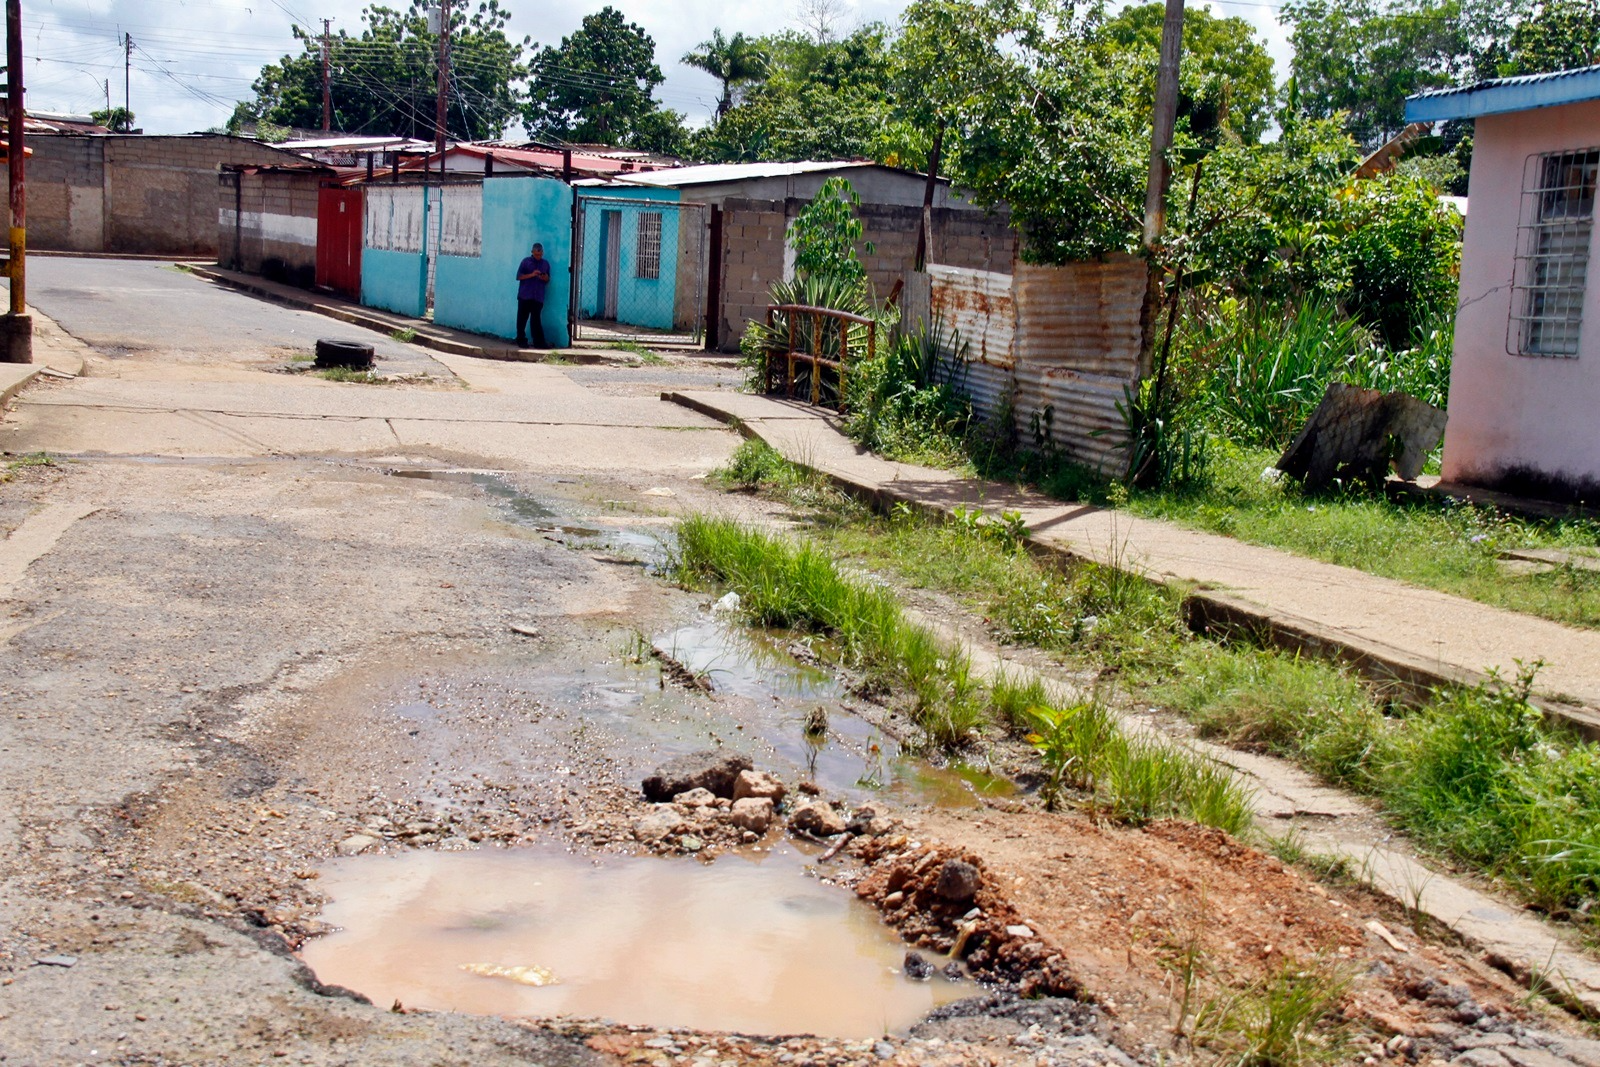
532	288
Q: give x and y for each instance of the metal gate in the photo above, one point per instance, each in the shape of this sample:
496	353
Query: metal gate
340	225
639	269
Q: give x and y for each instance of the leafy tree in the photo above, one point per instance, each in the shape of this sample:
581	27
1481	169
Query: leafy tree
1222	58
1555	36
115	119
734	61
596	86
819	100
1363	59
826	232
385	80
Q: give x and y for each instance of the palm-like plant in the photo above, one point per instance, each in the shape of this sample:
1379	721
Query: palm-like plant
731	60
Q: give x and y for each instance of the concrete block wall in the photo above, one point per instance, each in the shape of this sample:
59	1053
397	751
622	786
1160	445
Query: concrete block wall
275	233
133	193
753	234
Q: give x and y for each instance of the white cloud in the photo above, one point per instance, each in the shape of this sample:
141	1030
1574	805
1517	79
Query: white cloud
193	59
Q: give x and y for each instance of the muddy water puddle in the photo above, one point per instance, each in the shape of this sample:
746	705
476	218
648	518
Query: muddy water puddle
748	943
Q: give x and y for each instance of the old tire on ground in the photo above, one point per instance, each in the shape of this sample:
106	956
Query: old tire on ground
353	354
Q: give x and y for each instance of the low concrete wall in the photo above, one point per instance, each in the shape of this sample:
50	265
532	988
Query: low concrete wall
394	281
479	293
268	225
134	193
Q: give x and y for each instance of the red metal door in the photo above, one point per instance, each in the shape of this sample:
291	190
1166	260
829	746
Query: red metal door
341	225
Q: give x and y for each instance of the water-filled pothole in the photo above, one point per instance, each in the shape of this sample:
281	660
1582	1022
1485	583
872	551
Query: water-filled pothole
748	943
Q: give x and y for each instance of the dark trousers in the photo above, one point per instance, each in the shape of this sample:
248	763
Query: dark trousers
529	312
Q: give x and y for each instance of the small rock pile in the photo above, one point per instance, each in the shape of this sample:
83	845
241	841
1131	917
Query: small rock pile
939	898
705	799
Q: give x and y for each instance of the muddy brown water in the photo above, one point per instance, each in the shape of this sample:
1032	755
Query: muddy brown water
749	943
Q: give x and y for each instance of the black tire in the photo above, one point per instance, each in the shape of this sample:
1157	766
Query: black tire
352	354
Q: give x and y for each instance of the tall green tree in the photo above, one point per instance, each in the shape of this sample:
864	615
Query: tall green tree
734	61
1362	58
597	85
385	79
820	99
1225	63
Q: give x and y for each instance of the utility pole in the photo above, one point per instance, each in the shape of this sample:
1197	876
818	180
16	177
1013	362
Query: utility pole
327	85
127	64
17	334
442	110
1155	194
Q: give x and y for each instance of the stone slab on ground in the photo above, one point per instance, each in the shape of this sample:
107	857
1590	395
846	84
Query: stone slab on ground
1386	627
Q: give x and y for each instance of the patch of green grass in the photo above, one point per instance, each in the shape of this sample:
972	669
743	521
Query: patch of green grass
31	459
345	374
795	585
1134	780
1288	1019
302	357
1452	547
756	467
646	355
405	335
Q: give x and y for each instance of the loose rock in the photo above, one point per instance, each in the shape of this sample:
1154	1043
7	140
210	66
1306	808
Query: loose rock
818	819
753	814
958	881
714	771
696	798
757	784
916	968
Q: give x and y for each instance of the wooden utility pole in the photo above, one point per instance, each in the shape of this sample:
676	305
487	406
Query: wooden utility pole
442	110
17	333
327	84
127	65
1155	193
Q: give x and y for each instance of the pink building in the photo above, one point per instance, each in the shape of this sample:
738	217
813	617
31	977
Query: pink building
1525	382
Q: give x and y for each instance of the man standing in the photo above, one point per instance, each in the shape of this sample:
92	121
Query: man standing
532	276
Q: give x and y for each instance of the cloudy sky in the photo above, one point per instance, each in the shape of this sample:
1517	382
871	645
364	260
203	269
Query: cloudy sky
193	59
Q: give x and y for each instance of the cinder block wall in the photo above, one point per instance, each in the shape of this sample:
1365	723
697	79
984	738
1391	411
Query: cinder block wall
133	193
754	232
275	233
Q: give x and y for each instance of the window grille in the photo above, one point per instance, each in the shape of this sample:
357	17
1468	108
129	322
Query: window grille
648	261
1552	268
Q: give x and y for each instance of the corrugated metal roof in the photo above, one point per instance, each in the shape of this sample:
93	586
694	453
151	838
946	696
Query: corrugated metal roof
1499	96
712	173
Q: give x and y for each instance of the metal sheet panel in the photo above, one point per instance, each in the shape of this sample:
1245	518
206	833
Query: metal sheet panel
978	306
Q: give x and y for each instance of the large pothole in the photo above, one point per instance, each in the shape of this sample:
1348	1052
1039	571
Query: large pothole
747	944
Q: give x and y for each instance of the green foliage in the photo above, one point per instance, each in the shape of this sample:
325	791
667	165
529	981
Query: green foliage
384	79
908	404
595	87
818	99
1402	249
734	61
1288	1019
115	119
1228	67
1133	780
827	231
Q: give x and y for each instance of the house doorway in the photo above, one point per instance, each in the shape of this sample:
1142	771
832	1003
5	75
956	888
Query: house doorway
639	270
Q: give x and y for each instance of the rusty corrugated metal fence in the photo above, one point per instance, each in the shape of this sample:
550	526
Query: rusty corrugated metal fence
1058	346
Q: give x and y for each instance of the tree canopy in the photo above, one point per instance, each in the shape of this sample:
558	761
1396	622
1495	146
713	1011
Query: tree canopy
385	80
596	86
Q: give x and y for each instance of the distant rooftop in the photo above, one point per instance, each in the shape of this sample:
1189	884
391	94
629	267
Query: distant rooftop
713	173
1499	96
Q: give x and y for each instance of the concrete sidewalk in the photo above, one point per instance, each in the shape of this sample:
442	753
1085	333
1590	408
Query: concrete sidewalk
1386	628
55	354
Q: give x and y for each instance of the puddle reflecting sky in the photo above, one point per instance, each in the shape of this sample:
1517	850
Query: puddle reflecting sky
749	943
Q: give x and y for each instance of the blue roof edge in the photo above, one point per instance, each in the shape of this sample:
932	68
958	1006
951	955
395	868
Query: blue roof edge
1505	95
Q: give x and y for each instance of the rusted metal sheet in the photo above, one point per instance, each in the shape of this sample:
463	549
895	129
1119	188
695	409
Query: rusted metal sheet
977	305
1082	315
988	387
1072	413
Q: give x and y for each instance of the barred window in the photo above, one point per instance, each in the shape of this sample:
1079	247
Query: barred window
648	261
1557	221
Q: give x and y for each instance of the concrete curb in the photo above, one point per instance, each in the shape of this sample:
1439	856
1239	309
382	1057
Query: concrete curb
15	377
1411	678
386	326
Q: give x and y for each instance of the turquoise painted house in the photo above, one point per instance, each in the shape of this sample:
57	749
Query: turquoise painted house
630	255
456	248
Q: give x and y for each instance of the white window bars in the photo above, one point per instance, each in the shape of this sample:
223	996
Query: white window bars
1552	265
648	261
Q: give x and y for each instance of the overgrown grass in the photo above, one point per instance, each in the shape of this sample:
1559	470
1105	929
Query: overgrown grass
1288	1019
795	585
1478	774
756	467
405	335
1452	547
346	374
